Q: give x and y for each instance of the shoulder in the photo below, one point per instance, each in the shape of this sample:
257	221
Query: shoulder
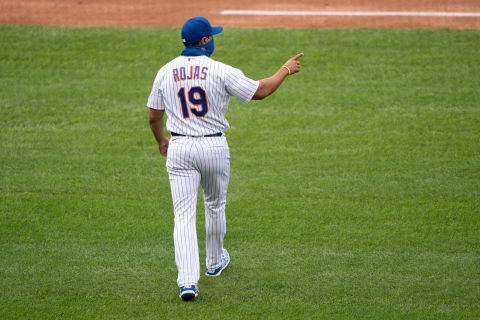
223	68
228	68
167	68
171	64
210	62
223	65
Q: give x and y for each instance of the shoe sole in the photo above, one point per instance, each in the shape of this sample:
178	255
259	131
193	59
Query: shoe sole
219	272
188	295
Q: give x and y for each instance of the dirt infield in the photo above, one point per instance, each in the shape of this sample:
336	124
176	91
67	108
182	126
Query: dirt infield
175	12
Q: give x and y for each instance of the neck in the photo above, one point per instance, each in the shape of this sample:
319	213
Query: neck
195	51
201	50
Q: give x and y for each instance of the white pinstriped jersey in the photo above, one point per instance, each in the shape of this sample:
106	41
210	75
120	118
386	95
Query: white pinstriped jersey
195	93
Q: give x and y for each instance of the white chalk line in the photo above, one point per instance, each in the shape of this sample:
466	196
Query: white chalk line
350	13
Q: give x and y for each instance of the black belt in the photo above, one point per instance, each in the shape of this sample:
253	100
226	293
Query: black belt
218	134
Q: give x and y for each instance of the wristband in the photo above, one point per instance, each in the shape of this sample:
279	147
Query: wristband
288	69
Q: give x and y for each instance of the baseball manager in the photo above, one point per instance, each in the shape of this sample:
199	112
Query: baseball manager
195	90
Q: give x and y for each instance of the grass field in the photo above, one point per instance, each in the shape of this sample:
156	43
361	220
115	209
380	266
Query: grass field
354	192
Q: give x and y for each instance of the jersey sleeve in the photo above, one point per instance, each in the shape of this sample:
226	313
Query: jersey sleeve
155	100
240	86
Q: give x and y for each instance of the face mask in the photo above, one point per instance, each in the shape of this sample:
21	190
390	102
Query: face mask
205	50
210	47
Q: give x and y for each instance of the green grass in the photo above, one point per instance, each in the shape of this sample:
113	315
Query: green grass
354	193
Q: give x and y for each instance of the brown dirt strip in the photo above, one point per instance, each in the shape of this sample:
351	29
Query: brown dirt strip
175	12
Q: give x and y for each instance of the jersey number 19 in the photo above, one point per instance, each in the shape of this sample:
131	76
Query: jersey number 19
196	97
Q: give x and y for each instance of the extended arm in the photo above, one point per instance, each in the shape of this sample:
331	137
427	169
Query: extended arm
268	86
155	118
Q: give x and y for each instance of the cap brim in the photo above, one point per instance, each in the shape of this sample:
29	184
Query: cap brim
216	30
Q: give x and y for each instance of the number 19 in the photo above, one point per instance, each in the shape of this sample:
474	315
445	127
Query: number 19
196	97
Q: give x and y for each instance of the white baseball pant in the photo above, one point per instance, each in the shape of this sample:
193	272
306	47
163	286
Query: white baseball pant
192	161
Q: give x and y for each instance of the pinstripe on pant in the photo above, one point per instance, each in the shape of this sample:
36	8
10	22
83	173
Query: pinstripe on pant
192	162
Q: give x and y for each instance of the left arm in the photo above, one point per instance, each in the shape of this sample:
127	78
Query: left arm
155	118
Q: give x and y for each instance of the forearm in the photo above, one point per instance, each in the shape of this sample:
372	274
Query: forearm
155	118
156	125
269	85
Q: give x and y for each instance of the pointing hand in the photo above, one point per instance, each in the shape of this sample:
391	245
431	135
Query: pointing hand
292	65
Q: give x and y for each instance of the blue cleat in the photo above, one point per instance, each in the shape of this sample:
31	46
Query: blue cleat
218	271
188	293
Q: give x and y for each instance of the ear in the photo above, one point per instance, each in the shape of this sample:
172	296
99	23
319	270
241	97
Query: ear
204	40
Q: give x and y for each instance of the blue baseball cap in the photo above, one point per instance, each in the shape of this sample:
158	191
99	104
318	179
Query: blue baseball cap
196	28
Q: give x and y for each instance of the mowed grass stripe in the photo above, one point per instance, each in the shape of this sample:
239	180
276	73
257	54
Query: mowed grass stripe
354	189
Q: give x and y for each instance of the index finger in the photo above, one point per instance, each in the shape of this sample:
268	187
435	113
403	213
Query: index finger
298	56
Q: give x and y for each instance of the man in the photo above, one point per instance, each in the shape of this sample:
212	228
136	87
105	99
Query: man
195	91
